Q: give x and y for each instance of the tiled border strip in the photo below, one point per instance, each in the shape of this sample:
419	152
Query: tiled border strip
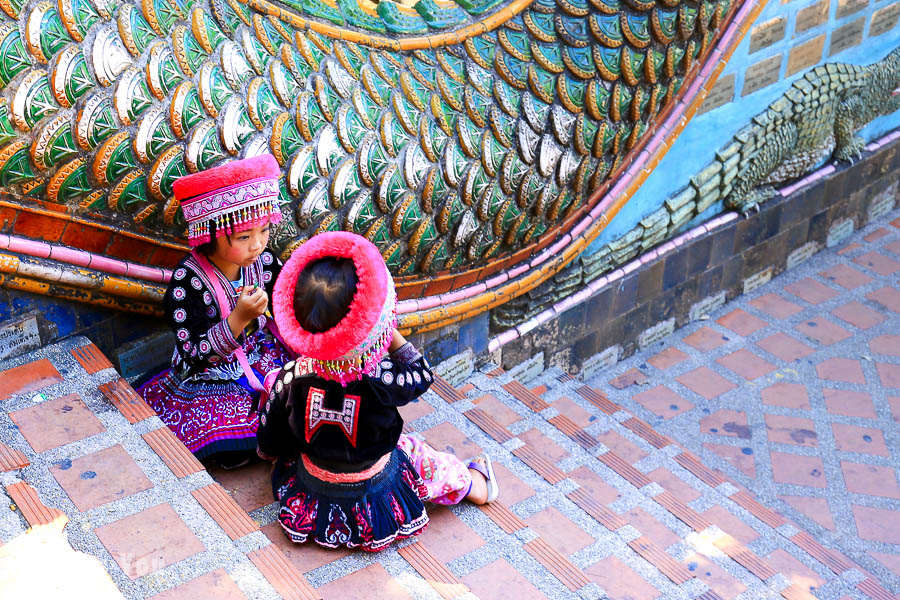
169	448
437	311
121	395
225	511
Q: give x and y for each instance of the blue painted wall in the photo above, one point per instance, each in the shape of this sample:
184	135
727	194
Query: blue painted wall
109	329
707	133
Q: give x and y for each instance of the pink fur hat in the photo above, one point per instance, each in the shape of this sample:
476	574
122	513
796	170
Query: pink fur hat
235	197
353	347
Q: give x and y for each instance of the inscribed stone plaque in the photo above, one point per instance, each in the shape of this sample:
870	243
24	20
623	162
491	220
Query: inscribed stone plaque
525	371
811	16
761	278
882	203
656	333
848	7
766	34
847	36
457	368
721	93
601	361
145	355
884	19
762	74
802	253
839	232
19	337
706	306
805	55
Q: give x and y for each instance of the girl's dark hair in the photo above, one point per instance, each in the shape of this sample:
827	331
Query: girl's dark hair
209	248
325	289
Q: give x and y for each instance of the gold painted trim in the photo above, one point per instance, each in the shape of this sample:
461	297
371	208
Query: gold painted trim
437	40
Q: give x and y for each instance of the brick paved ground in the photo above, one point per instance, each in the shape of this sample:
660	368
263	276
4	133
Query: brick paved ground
751	455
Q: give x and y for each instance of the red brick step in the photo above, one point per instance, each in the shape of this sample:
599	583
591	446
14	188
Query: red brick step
225	511
539	464
430	568
123	397
172	452
503	517
91	358
35	511
11	459
488	424
667	565
571	576
286	580
28	378
442	388
525	396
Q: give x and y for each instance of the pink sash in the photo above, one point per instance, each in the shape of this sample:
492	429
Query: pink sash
225	310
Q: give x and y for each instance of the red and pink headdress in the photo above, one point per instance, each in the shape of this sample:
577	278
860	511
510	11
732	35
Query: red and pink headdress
353	347
235	197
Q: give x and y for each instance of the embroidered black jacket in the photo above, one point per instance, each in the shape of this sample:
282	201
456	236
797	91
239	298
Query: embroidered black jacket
341	429
204	344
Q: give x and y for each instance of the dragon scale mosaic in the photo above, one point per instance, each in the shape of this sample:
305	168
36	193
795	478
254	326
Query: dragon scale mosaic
451	134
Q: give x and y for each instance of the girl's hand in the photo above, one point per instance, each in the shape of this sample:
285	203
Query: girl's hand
251	303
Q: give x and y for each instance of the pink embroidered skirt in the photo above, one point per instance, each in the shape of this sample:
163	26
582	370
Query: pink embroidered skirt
211	416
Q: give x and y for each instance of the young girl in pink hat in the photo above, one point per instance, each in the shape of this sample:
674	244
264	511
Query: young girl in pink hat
217	305
344	473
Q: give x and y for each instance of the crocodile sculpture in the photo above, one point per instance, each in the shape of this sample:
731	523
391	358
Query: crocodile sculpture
449	132
816	119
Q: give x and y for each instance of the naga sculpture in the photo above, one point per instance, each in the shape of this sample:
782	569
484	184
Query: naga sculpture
816	119
453	134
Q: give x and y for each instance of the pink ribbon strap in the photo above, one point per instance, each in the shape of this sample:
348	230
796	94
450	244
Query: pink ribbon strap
225	310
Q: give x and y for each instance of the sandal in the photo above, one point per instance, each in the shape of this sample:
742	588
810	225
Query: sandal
487	470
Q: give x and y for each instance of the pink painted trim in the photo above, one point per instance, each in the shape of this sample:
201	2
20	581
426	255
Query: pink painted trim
513	273
598	283
576	231
527	326
109	265
70	255
429	302
147	273
29	247
81	258
453	296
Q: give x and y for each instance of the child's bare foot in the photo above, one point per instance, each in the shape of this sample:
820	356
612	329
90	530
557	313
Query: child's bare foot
484	483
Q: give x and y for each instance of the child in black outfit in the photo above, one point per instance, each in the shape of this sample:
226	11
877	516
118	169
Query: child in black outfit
344	473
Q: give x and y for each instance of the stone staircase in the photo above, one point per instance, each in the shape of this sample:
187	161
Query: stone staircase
639	483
